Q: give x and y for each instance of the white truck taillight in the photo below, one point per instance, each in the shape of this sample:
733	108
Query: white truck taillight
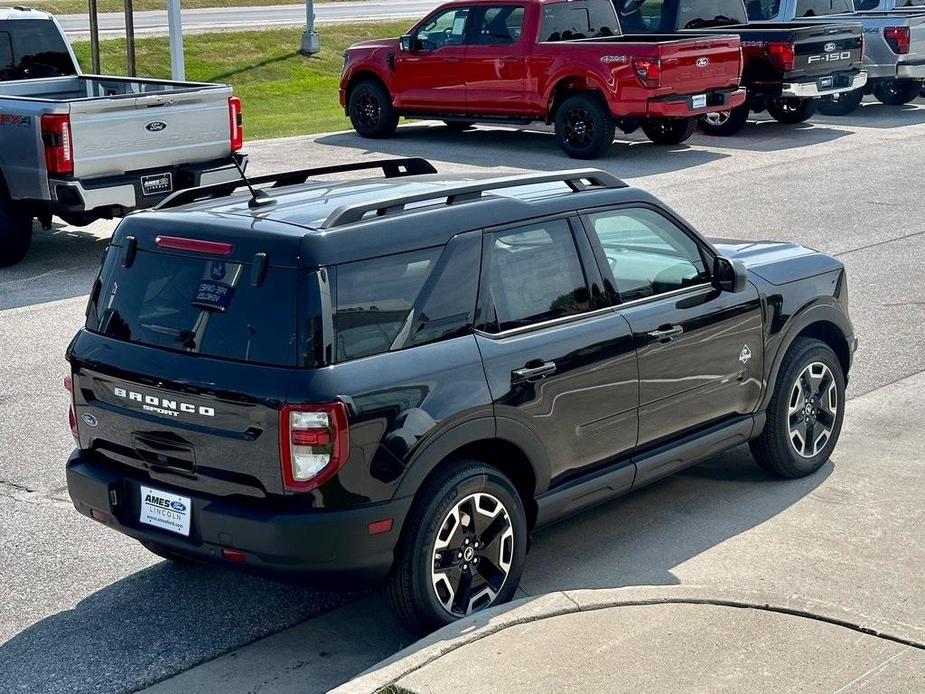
59	150
314	443
236	118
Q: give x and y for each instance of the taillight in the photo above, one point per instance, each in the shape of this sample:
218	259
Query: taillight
649	71
236	117
898	38
59	151
782	55
314	443
71	414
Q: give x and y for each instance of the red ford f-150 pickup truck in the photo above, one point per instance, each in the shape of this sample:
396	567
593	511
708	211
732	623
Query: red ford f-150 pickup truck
557	61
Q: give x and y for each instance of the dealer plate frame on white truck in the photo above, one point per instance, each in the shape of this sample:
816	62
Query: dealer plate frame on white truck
165	510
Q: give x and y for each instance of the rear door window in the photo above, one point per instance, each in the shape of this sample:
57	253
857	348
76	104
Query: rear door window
199	306
565	21
500	26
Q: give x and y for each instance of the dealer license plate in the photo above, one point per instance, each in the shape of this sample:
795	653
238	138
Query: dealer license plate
165	510
157	184
826	82
699	101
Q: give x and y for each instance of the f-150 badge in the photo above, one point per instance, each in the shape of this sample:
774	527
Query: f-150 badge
745	355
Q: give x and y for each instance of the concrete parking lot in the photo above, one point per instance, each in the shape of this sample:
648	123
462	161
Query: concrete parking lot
83	609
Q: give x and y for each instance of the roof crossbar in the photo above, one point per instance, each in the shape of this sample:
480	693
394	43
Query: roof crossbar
578	180
391	168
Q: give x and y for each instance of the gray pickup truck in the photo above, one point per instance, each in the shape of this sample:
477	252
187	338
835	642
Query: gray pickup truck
894	46
88	147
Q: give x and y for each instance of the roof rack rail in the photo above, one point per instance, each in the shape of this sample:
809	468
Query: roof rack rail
574	179
391	168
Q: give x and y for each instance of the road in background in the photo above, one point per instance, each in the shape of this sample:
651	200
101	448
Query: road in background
85	609
154	23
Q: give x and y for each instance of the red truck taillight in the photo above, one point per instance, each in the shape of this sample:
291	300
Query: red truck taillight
71	414
314	443
782	55
236	118
898	38
649	71
59	150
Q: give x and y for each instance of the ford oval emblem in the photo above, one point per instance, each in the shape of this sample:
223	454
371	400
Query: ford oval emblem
178	506
156	126
829	47
703	62
90	420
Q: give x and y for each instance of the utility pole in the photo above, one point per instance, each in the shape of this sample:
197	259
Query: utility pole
311	44
94	38
130	38
175	27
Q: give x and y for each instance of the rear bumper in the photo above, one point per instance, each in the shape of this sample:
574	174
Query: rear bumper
682	105
910	71
824	86
332	548
124	193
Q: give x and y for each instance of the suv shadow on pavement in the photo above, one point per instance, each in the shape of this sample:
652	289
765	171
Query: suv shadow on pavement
531	148
767	135
168	618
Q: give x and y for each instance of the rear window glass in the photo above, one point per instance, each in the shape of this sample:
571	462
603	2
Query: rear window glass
32	48
666	16
583	19
820	8
199	306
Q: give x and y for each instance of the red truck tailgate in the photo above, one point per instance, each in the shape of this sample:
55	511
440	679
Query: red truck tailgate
700	64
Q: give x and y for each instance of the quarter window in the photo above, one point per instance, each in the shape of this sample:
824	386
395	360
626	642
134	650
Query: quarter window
647	254
532	274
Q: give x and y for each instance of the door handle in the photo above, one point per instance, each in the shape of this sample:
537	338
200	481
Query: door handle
667	333
531	374
451	59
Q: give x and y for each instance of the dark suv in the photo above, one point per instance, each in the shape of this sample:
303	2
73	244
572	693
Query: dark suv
397	378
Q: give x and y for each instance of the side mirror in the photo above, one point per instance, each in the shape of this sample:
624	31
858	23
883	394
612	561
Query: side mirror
404	43
729	275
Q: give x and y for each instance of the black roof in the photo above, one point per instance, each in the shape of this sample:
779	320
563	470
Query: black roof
324	223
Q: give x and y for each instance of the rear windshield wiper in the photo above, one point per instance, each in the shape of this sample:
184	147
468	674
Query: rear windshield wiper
185	337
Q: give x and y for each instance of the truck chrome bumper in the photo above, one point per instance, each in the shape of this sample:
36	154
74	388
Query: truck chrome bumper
910	72
124	193
845	82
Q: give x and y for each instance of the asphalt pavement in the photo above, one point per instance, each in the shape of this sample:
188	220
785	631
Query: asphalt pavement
83	609
154	22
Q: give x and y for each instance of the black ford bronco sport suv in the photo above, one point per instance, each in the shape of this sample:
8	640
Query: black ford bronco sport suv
397	378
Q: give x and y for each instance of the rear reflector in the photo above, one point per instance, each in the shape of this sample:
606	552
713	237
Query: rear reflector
59	149
100	516
898	38
380	526
234	555
314	443
178	243
782	54
236	118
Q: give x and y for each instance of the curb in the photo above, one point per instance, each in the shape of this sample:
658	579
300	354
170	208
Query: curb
466	631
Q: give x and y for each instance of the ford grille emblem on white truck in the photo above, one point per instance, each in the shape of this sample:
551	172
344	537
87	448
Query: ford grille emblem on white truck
703	62
156	126
163	406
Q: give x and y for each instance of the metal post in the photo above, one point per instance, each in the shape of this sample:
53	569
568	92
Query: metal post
94	39
130	38
175	27
311	44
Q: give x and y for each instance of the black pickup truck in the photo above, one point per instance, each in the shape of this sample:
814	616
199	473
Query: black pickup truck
788	66
397	378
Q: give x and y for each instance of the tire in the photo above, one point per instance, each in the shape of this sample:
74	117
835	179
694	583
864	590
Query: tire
371	112
897	92
459	125
808	363
15	231
669	131
841	104
792	111
584	127
725	124
424	599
